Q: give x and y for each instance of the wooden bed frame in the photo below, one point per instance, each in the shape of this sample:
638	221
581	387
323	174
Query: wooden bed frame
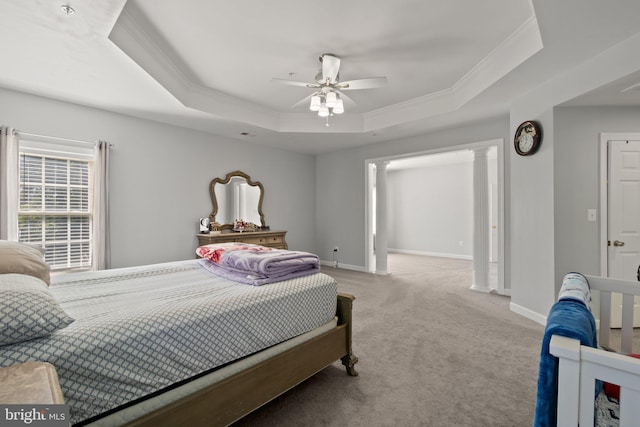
580	366
225	402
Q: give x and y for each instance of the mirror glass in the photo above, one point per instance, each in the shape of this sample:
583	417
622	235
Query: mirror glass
236	197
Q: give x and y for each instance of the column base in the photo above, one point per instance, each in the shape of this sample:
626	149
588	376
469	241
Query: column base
483	289
381	273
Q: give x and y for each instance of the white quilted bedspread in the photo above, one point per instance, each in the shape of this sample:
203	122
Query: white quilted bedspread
139	330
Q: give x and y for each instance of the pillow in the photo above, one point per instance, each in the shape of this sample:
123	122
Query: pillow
27	309
22	258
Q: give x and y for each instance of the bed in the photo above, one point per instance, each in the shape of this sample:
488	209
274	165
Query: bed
195	356
596	385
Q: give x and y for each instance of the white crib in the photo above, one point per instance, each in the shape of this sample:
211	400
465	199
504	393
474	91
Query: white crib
580	366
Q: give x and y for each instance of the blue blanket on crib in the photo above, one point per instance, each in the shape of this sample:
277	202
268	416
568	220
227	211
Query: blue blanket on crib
569	318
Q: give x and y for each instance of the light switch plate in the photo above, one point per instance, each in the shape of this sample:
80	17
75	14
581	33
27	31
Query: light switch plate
591	214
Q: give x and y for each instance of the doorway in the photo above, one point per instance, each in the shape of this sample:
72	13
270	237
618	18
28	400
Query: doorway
620	218
496	195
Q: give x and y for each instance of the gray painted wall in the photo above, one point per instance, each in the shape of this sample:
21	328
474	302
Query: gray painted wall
541	191
340	197
160	177
577	180
431	209
532	223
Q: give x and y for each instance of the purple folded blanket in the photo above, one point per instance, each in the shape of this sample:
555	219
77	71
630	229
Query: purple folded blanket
255	264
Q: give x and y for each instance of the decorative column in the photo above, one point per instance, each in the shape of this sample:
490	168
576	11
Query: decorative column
480	221
381	241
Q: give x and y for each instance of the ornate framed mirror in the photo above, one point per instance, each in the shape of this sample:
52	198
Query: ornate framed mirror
236	197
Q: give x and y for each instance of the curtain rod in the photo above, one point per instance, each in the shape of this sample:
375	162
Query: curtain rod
77	141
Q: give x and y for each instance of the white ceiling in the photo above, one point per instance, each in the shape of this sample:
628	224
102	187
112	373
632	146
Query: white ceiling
208	64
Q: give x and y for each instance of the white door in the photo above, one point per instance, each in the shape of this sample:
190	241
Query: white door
624	220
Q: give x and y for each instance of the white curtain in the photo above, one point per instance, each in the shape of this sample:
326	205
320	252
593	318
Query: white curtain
8	184
101	232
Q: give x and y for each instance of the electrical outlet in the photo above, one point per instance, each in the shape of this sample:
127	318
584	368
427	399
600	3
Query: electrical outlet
460	242
336	249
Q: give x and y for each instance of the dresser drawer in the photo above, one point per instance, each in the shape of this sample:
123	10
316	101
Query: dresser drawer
274	239
253	240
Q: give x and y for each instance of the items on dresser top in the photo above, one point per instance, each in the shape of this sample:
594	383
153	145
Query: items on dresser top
271	238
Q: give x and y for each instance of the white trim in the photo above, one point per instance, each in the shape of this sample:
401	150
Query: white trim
369	243
342	266
499	143
435	254
55	139
55	147
502	290
529	314
604	206
519	46
605	137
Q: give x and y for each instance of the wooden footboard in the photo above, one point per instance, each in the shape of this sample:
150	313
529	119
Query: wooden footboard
229	400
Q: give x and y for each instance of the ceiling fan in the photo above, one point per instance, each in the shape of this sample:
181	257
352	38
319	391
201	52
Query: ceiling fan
329	98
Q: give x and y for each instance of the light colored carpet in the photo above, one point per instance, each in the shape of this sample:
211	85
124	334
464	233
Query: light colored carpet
432	353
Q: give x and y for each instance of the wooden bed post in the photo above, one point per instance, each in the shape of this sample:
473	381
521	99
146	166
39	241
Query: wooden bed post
344	311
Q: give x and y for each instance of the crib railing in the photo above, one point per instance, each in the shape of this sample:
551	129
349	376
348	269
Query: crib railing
579	366
629	290
578	369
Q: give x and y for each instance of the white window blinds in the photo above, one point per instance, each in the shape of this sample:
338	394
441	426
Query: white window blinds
55	202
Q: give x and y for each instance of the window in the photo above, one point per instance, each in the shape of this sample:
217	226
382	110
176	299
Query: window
55	208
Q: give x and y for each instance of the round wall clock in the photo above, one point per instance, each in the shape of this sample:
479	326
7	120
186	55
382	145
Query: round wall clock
527	138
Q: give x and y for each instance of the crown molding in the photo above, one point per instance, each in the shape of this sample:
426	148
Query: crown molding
522	44
135	36
513	51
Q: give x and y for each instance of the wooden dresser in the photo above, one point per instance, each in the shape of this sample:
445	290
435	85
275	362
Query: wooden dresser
272	238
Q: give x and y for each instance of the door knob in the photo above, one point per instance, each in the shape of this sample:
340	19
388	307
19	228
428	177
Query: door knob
618	243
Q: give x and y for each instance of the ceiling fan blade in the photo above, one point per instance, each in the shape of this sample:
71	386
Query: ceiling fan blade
346	99
304	100
295	83
330	67
368	83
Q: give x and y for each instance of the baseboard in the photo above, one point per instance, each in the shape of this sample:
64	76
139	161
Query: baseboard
436	254
529	314
330	264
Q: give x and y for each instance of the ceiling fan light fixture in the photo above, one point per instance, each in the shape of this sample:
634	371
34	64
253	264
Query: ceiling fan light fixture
332	99
328	99
339	108
315	103
323	111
